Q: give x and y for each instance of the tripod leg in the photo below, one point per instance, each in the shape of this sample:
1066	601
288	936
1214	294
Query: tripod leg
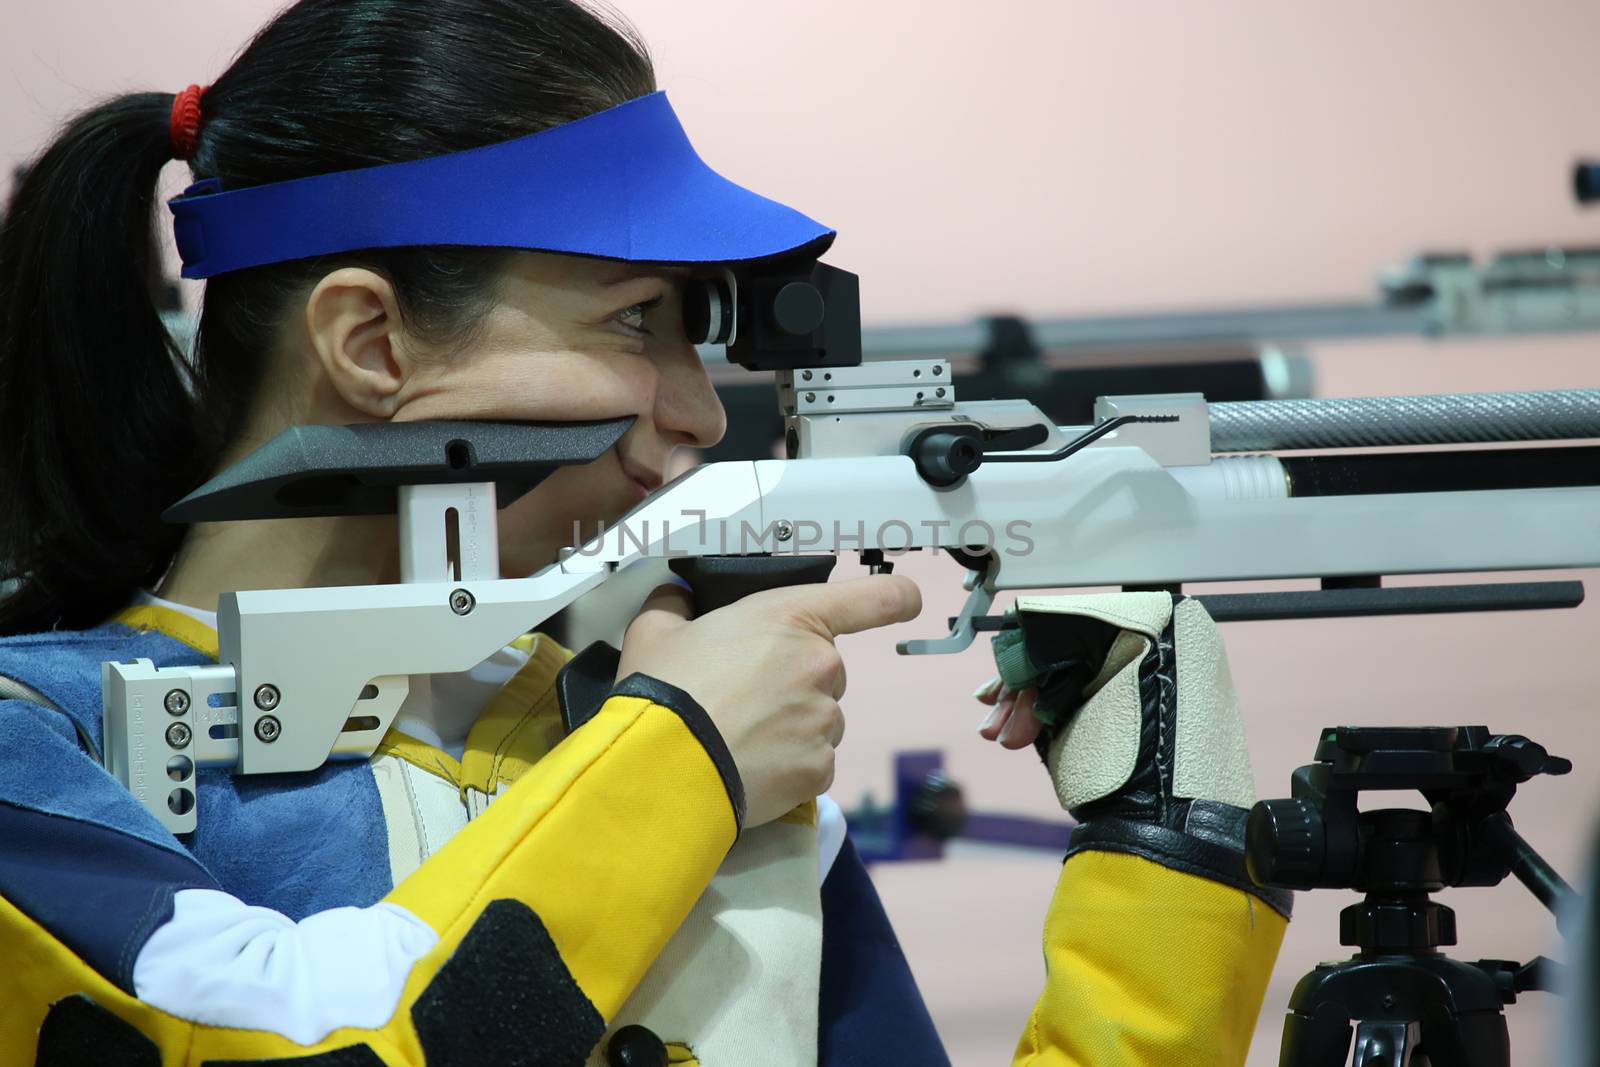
1318	1038
1385	1043
1470	1039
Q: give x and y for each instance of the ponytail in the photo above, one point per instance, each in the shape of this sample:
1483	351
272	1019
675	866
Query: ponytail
97	426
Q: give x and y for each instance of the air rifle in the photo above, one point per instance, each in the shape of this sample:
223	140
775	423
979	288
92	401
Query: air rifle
883	458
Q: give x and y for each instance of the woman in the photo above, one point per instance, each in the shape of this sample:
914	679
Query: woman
637	892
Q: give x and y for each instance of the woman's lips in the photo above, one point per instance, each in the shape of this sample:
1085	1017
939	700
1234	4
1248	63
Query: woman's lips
644	481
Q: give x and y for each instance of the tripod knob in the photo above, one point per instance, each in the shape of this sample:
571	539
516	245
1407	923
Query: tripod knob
1525	758
1284	844
937	809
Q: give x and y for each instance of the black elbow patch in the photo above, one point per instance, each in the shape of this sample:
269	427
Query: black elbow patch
80	1033
506	997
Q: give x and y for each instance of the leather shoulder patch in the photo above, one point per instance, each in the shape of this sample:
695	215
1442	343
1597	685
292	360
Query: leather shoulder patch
584	682
506	997
80	1033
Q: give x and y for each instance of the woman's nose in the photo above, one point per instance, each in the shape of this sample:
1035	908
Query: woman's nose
688	411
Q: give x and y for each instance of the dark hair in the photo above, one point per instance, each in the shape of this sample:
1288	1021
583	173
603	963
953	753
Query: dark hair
103	421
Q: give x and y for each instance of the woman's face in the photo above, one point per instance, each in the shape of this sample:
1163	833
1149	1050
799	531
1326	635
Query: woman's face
575	338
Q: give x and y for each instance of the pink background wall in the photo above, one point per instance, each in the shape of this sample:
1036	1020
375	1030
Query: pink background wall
1075	157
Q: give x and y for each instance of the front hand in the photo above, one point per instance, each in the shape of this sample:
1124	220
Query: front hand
1011	722
1131	701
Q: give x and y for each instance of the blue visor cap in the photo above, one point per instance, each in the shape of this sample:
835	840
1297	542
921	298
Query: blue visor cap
621	184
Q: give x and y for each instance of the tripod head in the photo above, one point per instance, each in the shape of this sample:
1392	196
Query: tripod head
1318	839
1407	997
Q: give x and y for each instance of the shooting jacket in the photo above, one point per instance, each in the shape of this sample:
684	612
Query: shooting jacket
556	897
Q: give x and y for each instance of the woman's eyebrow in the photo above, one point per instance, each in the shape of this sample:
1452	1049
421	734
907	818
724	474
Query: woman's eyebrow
629	272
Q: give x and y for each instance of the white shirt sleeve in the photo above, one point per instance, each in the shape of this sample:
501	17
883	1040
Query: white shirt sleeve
830	835
222	962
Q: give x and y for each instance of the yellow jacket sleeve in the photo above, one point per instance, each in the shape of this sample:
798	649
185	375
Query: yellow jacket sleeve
548	908
1146	966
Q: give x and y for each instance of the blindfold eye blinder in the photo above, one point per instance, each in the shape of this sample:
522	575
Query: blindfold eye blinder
778	315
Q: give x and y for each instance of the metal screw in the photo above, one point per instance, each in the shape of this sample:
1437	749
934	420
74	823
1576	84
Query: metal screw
939	391
178	735
805	375
266	697
268	729
785	529
177	702
937	370
811	398
462	602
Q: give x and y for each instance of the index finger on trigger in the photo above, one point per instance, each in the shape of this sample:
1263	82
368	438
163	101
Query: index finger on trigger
859	604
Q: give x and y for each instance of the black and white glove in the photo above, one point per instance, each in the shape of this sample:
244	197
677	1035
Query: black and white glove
1139	728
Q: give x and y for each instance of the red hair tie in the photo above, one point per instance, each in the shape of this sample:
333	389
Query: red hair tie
185	125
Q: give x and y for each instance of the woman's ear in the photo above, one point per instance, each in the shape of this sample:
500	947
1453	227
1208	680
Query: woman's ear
354	324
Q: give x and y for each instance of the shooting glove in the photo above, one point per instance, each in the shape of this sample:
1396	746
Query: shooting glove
1142	734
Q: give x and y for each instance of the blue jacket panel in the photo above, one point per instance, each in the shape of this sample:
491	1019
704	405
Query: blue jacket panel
298	848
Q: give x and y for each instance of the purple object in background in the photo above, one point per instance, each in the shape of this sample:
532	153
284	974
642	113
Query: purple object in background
929	810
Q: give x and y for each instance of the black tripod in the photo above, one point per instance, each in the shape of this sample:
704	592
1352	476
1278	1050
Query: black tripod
1411	1005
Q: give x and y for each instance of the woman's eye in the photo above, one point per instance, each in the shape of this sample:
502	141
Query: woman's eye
633	317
